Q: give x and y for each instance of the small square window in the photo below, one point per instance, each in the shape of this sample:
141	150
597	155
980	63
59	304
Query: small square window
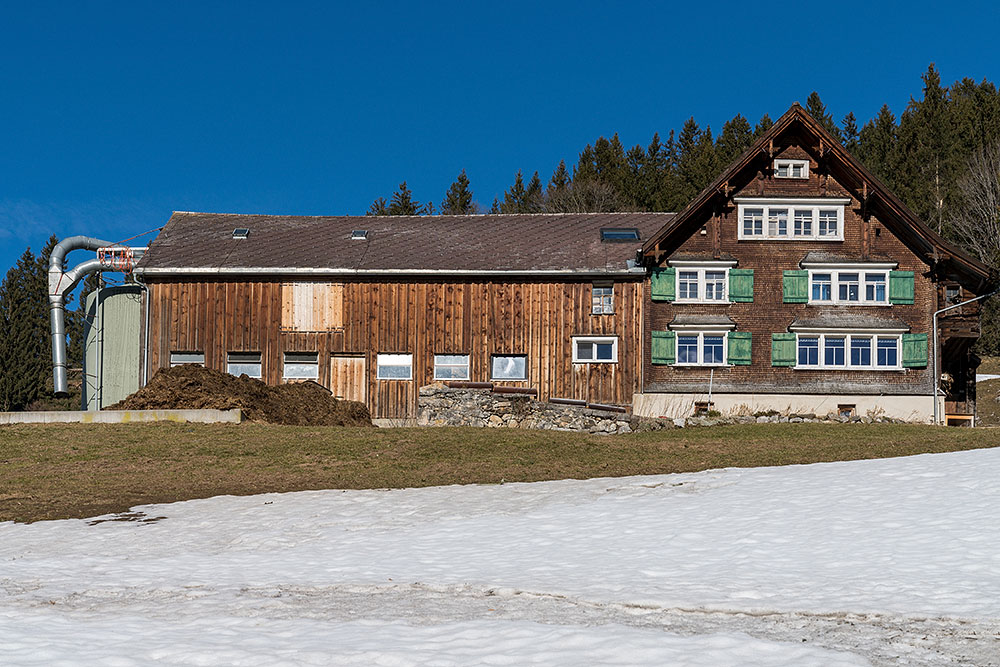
301	366
244	363
602	300
187	359
509	367
588	349
451	367
394	366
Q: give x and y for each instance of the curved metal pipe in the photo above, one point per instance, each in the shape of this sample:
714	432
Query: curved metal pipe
59	284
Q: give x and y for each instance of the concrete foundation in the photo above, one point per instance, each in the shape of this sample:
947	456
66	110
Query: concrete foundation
908	408
122	416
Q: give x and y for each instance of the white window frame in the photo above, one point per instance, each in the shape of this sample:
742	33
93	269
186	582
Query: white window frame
791	164
599	301
701	267
300	360
441	365
596	340
247	361
505	356
393	360
835	270
701	347
187	359
848	336
791	204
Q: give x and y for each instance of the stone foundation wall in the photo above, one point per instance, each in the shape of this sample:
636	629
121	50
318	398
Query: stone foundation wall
439	405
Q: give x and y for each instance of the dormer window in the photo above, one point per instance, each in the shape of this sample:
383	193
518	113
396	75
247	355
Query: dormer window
791	168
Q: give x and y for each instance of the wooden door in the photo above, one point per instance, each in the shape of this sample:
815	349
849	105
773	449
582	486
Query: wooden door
347	377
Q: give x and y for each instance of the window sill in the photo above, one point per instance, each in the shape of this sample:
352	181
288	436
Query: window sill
717	302
701	365
595	361
847	368
874	304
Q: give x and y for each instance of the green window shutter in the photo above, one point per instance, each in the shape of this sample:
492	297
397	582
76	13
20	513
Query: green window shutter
663	349
796	286
915	350
741	285
901	287
664	285
739	348
783	349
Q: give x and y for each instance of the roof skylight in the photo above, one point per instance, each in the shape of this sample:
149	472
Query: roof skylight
241	233
619	234
359	234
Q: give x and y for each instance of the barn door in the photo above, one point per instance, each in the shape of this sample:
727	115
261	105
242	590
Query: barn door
347	377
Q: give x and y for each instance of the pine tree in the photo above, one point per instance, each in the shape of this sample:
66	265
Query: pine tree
735	138
378	207
403	203
521	199
877	145
458	200
816	109
850	132
763	125
560	178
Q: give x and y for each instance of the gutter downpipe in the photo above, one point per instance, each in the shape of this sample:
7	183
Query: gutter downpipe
936	380
61	282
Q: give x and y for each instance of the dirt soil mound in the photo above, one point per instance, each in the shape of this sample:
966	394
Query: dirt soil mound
194	387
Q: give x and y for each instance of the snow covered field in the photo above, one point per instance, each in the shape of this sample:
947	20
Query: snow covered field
893	561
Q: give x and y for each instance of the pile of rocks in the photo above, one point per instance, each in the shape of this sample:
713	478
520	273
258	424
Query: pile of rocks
440	405
774	418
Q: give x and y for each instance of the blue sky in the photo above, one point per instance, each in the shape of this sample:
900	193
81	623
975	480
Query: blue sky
116	114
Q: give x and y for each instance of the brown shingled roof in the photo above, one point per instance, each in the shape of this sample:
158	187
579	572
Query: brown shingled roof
526	243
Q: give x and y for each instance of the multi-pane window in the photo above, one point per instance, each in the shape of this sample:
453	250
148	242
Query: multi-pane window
509	367
791	218
777	222
848	286
803	222
602	300
829	223
187	358
791	168
451	367
394	366
243	363
701	349
702	284
594	349
875	287
848	351
753	221
301	366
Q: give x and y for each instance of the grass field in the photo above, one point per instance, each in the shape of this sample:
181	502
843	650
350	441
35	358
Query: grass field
72	470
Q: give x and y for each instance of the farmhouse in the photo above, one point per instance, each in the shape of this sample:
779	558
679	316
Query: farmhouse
794	282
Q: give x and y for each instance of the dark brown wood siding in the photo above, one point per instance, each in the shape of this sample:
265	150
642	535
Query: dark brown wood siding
537	319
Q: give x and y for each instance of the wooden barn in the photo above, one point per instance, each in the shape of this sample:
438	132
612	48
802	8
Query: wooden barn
795	282
375	307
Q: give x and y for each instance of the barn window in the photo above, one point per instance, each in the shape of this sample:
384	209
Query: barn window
187	358
394	367
595	350
509	367
451	367
602	299
301	366
244	363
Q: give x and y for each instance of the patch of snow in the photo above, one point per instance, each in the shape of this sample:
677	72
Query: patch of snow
790	565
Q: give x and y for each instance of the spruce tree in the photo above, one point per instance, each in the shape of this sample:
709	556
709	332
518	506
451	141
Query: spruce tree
816	109
378	207
877	145
735	138
560	178
24	338
403	203
763	125
850	132
458	200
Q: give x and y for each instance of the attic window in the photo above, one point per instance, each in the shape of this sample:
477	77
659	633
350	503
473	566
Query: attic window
619	234
241	233
359	234
791	168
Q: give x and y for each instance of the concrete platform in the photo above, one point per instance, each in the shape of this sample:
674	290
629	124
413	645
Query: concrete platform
121	416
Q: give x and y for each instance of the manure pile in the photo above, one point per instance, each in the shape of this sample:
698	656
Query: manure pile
197	388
